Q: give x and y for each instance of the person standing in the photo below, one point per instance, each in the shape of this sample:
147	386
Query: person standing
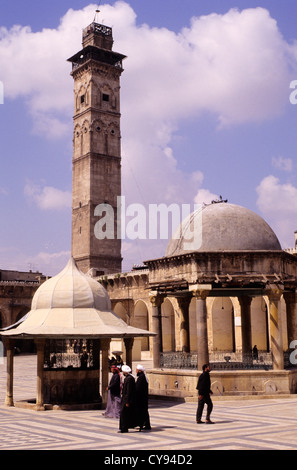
127	414
113	406
255	353
141	399
204	392
84	360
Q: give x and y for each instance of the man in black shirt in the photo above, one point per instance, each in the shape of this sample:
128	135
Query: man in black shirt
204	392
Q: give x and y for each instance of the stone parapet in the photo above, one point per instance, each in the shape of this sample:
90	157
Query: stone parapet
181	383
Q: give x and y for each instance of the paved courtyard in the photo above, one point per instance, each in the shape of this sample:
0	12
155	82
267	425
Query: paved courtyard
258	424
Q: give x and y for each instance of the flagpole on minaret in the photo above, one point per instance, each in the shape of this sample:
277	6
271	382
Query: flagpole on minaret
97	13
96	16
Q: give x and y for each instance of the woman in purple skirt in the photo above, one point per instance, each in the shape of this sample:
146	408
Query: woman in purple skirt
113	406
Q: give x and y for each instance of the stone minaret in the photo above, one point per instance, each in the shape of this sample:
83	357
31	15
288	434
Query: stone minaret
96	71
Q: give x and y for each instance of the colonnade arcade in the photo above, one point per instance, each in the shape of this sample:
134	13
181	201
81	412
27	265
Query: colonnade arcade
221	326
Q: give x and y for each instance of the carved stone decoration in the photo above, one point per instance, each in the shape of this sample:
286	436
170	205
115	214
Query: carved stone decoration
96	72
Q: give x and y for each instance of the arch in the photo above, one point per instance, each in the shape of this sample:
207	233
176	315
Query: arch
141	320
22	313
113	138
80	97
22	345
259	323
113	129
107	91
76	131
6	317
121	312
223	324
85	128
77	141
97	125
168	325
92	93
98	129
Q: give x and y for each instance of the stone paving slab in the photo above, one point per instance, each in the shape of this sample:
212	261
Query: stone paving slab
261	424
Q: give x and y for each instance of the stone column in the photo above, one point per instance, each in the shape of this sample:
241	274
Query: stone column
246	328
291	306
129	346
9	346
276	338
200	292
183	303
40	343
156	301
104	346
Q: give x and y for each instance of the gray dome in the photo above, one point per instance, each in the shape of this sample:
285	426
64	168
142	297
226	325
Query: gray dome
222	227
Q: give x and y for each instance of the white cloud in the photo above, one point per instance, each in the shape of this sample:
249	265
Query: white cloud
3	191
50	126
204	196
234	66
47	197
277	203
134	252
50	264
274	197
284	164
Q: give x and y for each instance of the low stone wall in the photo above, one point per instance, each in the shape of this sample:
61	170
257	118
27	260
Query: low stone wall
182	383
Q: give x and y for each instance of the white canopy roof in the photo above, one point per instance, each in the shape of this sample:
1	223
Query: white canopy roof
72	304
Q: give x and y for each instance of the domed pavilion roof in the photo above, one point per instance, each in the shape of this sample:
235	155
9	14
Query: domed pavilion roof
71	289
72	304
223	227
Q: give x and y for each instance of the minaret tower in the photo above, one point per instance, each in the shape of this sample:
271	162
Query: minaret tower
96	180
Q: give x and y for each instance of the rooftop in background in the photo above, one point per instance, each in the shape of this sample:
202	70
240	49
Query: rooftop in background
20	276
72	305
293	250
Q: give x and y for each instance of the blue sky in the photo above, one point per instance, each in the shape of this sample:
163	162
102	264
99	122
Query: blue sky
205	112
